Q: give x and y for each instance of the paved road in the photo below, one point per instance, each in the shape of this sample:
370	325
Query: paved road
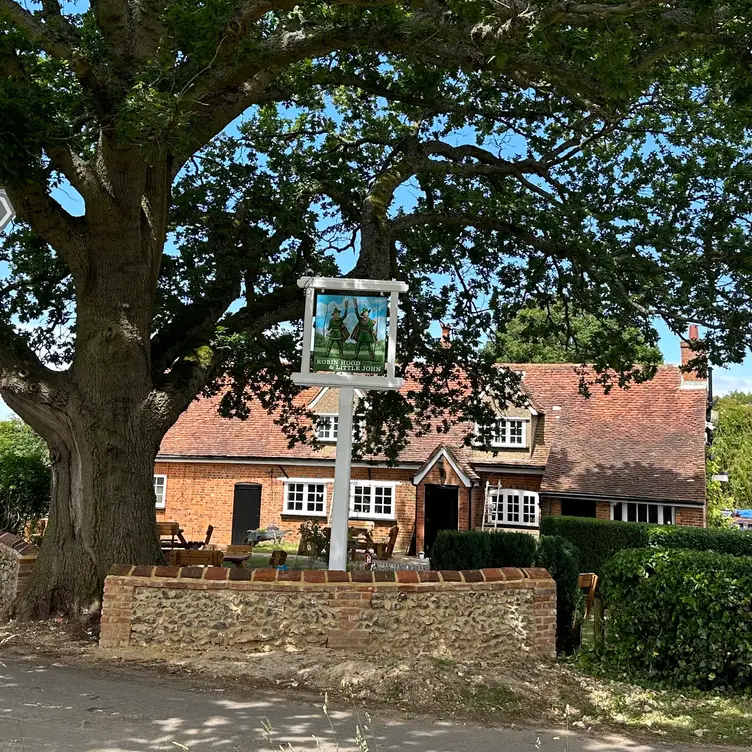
46	707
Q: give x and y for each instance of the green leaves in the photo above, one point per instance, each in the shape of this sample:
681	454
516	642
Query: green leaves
682	617
24	476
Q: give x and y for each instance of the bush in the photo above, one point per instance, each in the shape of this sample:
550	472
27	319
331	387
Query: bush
683	617
722	541
455	549
598	541
559	557
25	476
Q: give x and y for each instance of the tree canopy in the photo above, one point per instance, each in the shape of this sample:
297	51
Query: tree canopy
556	335
731	450
490	154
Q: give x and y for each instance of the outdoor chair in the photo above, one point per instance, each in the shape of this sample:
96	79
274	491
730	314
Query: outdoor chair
385	550
205	542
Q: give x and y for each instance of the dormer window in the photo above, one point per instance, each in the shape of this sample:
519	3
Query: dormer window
504	432
327	427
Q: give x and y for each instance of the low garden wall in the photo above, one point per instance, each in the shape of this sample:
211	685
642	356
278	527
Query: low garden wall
17	560
470	614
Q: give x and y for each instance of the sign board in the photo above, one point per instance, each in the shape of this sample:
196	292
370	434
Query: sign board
350	333
7	212
349	342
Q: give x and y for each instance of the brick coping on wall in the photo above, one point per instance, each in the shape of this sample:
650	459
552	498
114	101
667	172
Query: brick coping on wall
236	575
18	545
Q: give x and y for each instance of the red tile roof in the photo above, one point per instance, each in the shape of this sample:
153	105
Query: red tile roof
646	441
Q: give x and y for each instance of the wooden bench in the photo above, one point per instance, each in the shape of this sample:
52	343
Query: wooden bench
180	557
171	530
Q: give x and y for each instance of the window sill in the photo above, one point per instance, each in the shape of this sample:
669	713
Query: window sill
287	513
520	525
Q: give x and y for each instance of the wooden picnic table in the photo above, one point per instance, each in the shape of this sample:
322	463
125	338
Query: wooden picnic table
171	530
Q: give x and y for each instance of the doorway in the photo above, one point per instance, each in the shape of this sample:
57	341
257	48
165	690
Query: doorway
246	511
441	513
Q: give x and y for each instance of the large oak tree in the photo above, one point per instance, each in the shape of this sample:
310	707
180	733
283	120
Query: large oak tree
220	150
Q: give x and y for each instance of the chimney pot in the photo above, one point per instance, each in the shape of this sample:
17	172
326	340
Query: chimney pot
446	334
687	355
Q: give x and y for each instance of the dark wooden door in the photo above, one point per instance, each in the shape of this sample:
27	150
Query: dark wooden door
246	511
442	512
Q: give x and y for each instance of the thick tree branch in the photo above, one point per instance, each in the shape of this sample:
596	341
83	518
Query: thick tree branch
194	325
114	18
22	374
64	232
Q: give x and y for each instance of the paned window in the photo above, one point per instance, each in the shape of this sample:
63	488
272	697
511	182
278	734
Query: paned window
509	506
160	488
306	499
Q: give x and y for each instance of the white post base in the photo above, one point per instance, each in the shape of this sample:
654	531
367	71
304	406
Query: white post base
342	464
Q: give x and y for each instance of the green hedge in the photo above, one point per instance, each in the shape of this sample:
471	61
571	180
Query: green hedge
683	617
559	557
598	541
454	549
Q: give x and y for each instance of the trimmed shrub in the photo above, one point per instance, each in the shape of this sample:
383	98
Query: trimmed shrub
598	541
683	617
734	542
559	557
455	549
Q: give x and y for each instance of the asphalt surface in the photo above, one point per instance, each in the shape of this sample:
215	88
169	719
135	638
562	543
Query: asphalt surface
46	706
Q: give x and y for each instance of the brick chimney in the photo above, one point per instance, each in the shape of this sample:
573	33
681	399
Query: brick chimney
687	354
446	334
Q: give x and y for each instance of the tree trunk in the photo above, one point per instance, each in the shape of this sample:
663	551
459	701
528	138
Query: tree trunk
101	512
104	432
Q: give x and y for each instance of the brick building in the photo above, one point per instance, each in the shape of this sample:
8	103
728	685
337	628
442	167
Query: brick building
633	454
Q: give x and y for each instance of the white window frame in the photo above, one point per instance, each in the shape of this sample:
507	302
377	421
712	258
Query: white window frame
624	512
518	507
327	427
330	436
372	514
306	501
161	499
496	439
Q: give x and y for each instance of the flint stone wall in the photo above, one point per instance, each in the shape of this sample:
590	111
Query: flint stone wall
465	615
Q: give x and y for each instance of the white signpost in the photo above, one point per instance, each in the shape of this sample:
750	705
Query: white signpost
348	347
7	212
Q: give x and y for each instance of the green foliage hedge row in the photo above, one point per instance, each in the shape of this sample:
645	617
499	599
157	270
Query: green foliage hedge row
683	617
598	541
455	549
559	557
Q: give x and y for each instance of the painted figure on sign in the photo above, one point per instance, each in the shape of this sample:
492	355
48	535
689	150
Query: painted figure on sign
336	331
364	333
